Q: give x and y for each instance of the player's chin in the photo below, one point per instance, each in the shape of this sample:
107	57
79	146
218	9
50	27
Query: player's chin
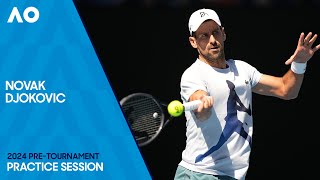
215	54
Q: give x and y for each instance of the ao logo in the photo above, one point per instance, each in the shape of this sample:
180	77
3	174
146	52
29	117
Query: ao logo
15	14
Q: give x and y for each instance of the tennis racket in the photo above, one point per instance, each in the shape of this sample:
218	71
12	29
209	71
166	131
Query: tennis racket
146	115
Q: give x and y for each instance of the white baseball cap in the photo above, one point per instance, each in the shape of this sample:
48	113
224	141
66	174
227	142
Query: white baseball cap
201	15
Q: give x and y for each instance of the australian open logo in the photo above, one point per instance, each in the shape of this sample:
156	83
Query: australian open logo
31	92
29	15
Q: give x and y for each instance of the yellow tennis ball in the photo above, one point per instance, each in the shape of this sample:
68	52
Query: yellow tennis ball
175	108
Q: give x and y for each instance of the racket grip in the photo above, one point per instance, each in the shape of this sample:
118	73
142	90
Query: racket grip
191	105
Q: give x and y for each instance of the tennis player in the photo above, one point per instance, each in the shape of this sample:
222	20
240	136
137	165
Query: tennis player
219	132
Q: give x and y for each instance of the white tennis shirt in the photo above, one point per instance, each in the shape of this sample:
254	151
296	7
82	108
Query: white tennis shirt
220	145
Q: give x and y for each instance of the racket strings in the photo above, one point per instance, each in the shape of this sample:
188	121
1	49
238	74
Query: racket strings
145	117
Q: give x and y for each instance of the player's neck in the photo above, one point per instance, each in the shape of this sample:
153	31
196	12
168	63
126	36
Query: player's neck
219	63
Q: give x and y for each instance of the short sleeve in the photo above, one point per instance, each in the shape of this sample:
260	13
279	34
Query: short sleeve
191	81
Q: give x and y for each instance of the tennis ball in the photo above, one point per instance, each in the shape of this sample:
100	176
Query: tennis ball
175	108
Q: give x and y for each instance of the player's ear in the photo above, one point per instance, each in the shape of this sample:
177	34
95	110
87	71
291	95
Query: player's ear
224	36
193	42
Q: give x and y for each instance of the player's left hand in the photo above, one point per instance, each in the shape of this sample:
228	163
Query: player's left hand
204	110
304	49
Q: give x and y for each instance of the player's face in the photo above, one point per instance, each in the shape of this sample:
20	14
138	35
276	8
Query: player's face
209	39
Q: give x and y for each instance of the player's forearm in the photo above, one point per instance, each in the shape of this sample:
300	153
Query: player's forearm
292	83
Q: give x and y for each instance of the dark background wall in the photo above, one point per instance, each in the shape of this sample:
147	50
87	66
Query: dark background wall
146	49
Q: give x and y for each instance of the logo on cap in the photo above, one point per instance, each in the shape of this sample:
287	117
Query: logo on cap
203	14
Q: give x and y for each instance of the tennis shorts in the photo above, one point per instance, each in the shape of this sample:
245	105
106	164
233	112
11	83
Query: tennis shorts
185	174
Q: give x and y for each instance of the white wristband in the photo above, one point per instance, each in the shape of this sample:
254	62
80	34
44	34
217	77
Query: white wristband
298	68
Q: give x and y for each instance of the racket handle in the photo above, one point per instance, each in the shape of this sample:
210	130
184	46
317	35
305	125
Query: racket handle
191	105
